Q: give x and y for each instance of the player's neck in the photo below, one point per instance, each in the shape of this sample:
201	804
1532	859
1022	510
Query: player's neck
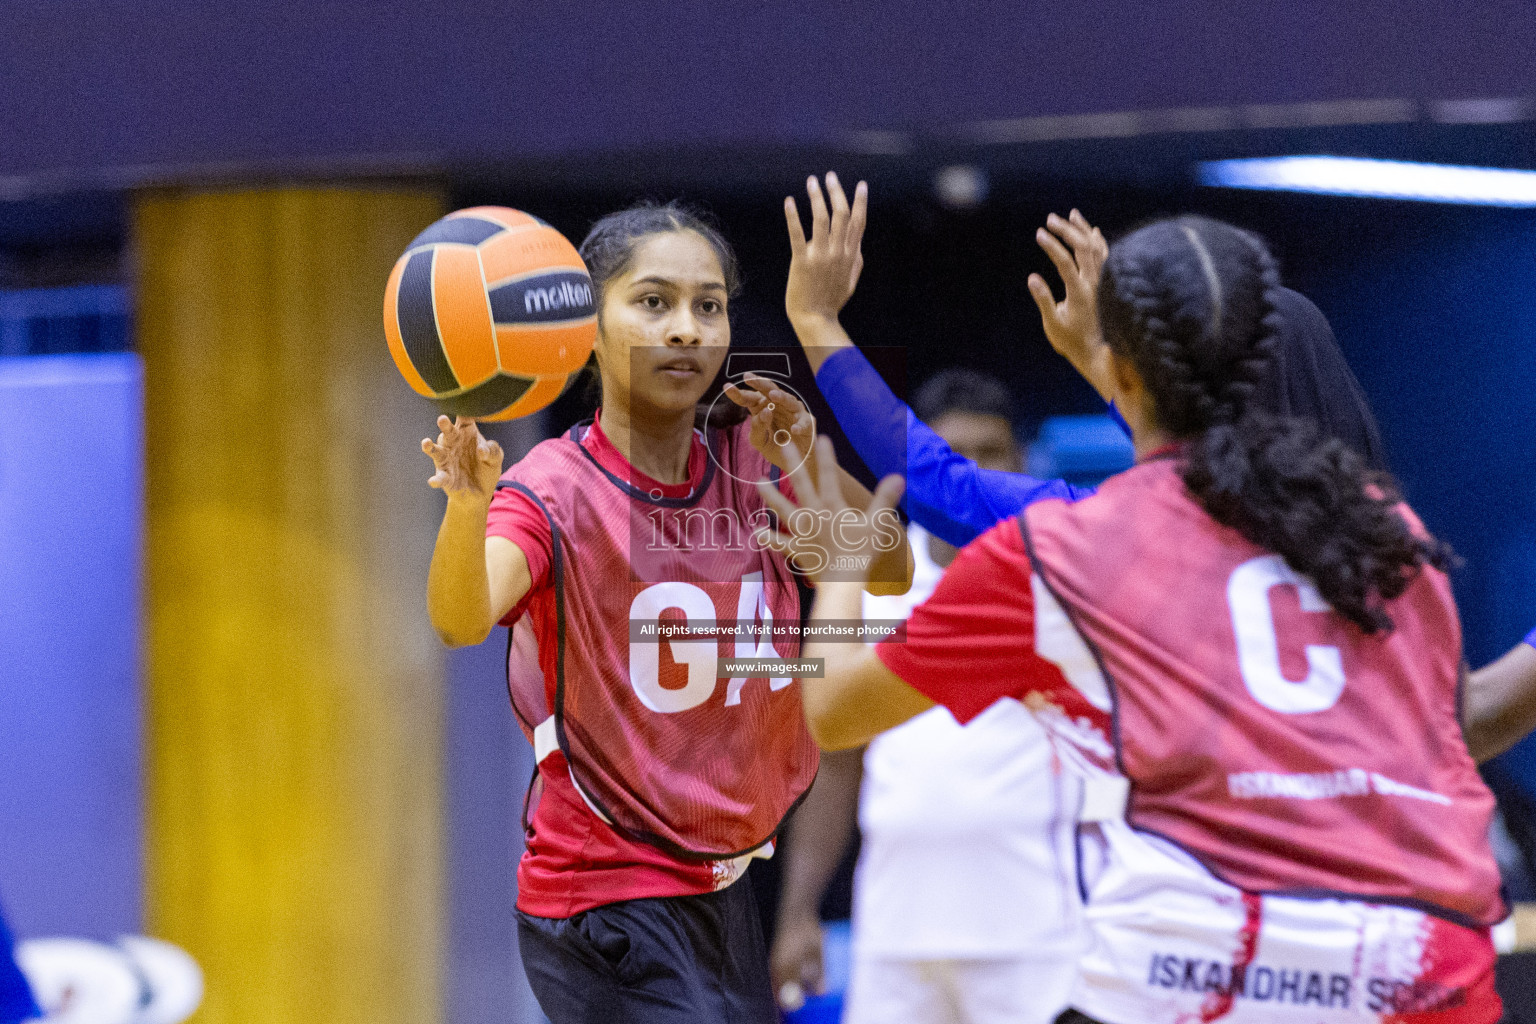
1146	442
656	444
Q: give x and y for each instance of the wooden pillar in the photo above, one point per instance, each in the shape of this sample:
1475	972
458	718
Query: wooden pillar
295	689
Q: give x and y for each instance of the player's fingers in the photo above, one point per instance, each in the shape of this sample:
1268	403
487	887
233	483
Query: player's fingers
775	500
819	218
826	467
805	488
796	229
857	218
887	493
438	480
1066	266
1041	293
1098	250
785	402
1067	231
744	397
491	452
835	194
761	385
839	203
466	426
444	425
1082	224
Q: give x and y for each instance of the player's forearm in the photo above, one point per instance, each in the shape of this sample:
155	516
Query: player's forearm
1501	703
458	586
948	495
827	700
820	336
1091	361
819	834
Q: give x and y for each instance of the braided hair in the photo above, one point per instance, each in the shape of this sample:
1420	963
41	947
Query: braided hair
1191	303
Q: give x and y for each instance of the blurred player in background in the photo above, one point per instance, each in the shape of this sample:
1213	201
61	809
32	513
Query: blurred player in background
1312	850
657	781
960	827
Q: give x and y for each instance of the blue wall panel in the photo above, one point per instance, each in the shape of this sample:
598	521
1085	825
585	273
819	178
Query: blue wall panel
71	499
1436	315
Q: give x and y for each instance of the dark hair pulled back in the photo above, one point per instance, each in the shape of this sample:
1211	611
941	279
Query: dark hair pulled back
608	250
1192	304
610	245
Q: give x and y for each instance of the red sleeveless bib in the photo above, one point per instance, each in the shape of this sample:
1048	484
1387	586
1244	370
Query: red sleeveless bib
1277	743
702	767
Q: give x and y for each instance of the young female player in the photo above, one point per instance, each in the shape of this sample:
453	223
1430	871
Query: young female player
659	780
966	966
1248	648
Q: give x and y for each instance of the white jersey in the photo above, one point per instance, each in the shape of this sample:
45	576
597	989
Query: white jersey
967	832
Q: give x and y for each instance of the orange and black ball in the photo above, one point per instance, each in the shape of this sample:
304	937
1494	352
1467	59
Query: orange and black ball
490	312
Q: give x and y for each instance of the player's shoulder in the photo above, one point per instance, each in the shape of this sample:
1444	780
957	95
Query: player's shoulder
550	458
1157	481
999	548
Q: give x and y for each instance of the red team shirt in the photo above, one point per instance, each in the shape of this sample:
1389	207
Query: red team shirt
574	860
1252	850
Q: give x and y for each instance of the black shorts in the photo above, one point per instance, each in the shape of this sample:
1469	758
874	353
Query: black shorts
672	960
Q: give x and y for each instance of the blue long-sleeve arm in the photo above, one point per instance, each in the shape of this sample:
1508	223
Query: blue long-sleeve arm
949	496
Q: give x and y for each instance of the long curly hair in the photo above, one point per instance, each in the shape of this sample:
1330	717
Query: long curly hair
1192	304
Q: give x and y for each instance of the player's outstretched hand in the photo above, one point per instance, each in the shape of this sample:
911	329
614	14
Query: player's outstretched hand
824	271
1078	251
779	420
467	464
823	532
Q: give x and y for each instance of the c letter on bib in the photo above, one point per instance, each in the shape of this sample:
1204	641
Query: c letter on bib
698	656
1258	648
